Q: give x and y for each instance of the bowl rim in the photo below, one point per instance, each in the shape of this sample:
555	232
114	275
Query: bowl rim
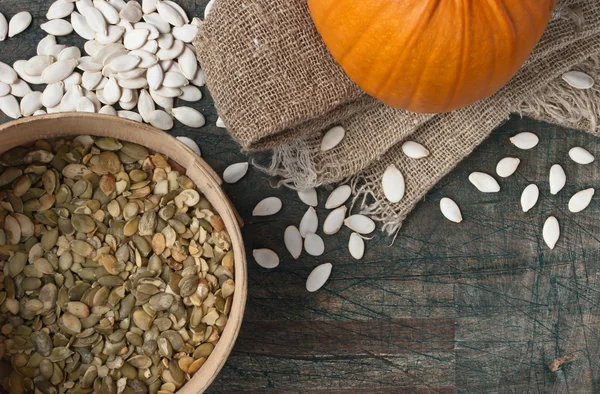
205	178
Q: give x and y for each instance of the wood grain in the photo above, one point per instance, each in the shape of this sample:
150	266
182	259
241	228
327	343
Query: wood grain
479	307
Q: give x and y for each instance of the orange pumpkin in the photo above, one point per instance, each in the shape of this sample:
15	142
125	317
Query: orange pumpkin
431	55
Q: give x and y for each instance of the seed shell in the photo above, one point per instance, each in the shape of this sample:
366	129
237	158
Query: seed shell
266	258
580	155
450	210
318	277
529	197
551	232
557	179
485	183
356	246
267	207
393	185
581	200
235	172
293	241
332	138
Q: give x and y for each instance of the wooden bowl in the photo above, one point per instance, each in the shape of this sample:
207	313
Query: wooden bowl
24	131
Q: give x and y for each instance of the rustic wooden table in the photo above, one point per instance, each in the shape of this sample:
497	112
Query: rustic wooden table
481	306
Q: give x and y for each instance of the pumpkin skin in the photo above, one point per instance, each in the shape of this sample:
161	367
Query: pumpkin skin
431	56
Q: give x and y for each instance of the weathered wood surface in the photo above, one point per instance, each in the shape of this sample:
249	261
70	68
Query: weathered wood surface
482	306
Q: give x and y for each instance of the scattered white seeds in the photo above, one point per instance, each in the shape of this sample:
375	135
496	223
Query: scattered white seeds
507	166
57	27
557	179
267	207
309	222
581	156
392	182
356	246
581	200
293	241
220	123
338	197
7	74
37	64
235	172
4	89
414	150
309	197
58	71
160	119
19	88
484	182
335	220
313	244
188	116
60	9
208	8
525	140
332	138
450	210
551	232
360	224
529	197
266	258
578	80
3	27
18	23
31	103
10	106
318	277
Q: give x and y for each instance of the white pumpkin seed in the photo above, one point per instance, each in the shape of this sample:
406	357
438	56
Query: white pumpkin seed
332	138
169	14
19	67
133	83
293	241
10	106
108	110
93	99
414	150
220	122
19	88
335	220
81	27
484	182
114	34
85	105
188	116
71	98
154	33
147	59
190	93
128	105
168	92
155	77
190	143
235	172
57	27
551	232
338	197
112	91
188	64
132	12
91	79
267	207
83	4
44	47
69	53
145	104
525	140
173	52
3	27
309	222
180	10
356	246
110	14
165	102
60	9
581	156
393	185
266	258
174	80
56	50
87	63
53	110
581	200
58	71
185	33
529	197
148	6
450	210
39	112
18	23
360	224
507	166
126	25
117	4
156	20
578	80
199	80
37	64
31	103
558	179
72	80
129	115
309	197
160	119
313	244
318	277
124	63
4	89
135	39
8	74
166	65
106	51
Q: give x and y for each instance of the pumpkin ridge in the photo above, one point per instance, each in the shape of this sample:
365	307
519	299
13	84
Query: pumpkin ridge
464	52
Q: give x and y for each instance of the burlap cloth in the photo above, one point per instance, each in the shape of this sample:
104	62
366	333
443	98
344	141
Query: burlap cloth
276	87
